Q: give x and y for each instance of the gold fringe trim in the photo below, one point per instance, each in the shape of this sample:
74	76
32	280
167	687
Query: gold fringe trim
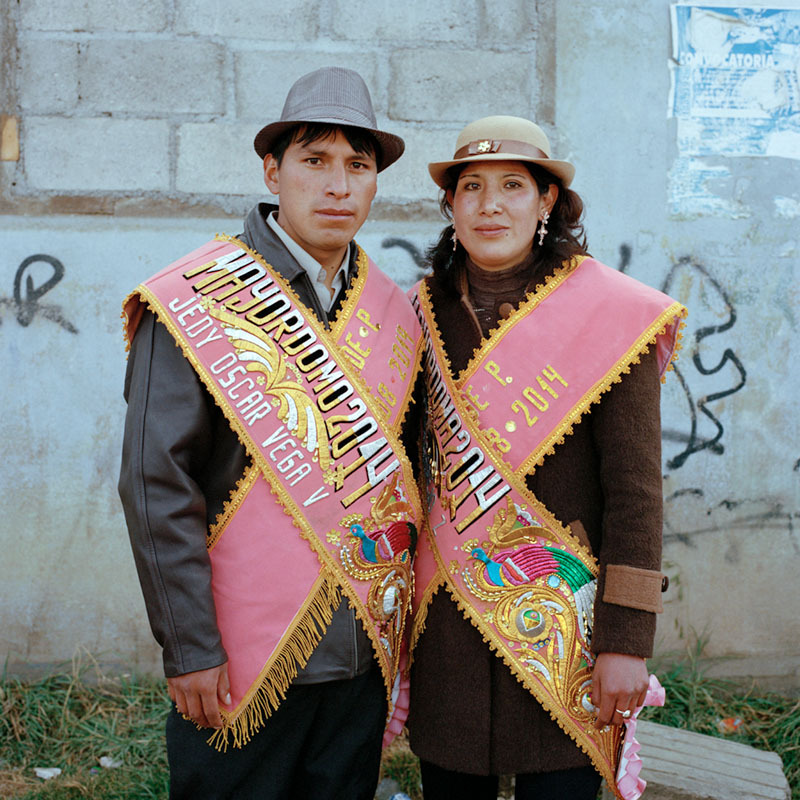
409	398
352	294
342	363
232	505
291	654
677	343
343	314
132	300
421	617
534	298
294	512
284	499
673	315
125	324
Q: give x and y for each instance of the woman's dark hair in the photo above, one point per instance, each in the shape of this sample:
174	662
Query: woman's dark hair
565	235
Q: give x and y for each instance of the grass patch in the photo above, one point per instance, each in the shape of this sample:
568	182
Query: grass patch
72	718
401	765
699	702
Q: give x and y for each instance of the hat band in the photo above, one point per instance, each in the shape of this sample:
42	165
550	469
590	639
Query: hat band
510	146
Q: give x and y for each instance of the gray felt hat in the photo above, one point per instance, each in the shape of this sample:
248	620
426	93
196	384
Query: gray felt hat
332	95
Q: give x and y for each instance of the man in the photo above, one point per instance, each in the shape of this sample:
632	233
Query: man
269	502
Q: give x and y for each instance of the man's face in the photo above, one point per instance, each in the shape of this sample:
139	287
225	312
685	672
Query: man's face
325	192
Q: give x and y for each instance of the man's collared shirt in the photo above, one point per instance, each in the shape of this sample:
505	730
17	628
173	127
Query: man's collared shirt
314	269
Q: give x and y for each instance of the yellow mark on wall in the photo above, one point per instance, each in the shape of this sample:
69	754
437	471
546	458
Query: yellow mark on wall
9	138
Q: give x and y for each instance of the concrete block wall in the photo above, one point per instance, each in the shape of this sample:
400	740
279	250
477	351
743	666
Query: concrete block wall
134	125
153	107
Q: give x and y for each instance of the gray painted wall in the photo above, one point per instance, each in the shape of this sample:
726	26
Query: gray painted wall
731	445
135	140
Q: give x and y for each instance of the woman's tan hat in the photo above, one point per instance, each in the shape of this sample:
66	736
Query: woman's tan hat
503	139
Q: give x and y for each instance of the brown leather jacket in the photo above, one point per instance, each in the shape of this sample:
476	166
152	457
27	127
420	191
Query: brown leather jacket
180	461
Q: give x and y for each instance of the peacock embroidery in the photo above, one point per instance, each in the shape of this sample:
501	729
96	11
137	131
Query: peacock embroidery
380	548
541	598
555	567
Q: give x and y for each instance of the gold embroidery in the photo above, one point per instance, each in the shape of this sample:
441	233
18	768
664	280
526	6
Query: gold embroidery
674	313
352	295
504	325
537	635
379	550
296	409
513	618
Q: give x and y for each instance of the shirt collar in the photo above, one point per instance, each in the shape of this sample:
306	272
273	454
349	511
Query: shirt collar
311	266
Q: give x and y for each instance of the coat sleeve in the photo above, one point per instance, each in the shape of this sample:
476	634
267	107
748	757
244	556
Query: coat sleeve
626	427
167	442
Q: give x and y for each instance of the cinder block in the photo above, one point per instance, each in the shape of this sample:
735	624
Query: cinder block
264	78
392	21
152	77
218	159
48	76
80	155
408	179
297	21
512	21
93	15
434	84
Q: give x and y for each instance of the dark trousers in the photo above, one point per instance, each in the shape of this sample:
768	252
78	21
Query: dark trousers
322	743
582	783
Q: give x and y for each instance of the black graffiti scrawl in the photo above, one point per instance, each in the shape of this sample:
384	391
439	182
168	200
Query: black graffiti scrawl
26	301
714	303
416	254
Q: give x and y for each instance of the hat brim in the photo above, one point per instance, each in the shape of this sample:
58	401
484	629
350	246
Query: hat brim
391	146
563	170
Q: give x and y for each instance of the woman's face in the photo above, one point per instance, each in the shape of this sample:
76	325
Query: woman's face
496	208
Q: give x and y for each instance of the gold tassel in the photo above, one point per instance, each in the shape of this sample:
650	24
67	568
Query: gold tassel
274	682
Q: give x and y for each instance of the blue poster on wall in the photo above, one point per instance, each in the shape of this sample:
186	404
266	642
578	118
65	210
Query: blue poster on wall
735	87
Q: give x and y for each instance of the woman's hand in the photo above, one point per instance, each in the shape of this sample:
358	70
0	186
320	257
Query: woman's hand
619	684
197	695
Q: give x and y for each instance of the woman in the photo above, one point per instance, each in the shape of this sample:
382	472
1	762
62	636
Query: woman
543	432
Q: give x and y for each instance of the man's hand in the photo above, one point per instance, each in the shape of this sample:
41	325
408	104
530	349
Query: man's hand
619	683
197	695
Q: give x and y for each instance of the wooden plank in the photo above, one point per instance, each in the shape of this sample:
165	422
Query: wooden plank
701	759
664	735
717	755
718	786
684	765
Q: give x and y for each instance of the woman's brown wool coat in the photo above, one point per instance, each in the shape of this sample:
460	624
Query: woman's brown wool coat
468	712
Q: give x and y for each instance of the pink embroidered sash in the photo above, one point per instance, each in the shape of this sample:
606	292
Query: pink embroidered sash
329	504
517	572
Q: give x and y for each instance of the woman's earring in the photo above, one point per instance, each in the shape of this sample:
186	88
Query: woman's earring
542	227
454	238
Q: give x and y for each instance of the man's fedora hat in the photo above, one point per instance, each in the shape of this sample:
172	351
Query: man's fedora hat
503	139
333	95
